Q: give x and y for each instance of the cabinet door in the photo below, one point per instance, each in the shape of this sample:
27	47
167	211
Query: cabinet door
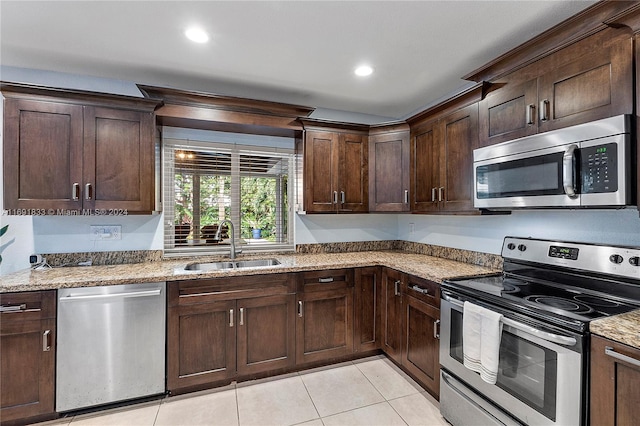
598	85
266	333
425	169
201	344
389	178
368	316
392	314
615	395
353	176
421	343
509	113
42	155
27	360
458	139
118	160
320	171
324	327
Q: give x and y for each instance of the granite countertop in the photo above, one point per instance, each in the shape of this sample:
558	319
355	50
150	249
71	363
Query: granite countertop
429	267
623	328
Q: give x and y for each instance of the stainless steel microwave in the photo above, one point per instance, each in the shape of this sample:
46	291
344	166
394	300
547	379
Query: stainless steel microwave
588	165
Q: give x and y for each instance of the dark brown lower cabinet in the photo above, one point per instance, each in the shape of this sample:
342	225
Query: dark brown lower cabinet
223	328
392	313
27	355
324	323
368	315
265	333
421	343
615	383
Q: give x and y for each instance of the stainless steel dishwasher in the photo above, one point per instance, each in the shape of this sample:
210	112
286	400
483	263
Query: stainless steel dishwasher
111	344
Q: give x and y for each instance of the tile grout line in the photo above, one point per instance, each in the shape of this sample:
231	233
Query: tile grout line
310	398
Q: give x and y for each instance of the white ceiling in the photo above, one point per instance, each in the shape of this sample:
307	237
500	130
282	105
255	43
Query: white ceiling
300	52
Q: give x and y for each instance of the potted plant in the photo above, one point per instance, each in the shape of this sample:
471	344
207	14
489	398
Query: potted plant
3	231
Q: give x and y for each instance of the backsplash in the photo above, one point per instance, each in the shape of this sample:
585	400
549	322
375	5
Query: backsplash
467	256
103	257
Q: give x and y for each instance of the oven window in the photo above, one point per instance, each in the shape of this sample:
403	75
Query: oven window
540	175
526	370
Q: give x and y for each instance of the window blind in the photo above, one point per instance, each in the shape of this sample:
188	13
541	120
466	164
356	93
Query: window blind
206	183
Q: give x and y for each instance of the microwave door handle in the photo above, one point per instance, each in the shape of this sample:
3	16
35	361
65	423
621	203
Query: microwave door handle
569	171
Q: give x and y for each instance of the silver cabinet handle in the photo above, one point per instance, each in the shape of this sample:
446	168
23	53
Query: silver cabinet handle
420	289
342	197
608	350
406	196
544	109
396	288
531	111
440	193
13	308
568	171
75	191
241	316
300	308
46	343
325	280
88	192
335	197
436	325
433	195
230	317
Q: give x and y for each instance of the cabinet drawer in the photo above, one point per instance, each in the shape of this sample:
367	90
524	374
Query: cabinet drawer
27	306
423	290
210	290
330	279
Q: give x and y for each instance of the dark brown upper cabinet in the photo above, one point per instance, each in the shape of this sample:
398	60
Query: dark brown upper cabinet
442	161
590	80
71	151
389	178
336	175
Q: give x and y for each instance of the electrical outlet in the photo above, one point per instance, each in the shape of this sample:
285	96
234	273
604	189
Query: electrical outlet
106	232
412	228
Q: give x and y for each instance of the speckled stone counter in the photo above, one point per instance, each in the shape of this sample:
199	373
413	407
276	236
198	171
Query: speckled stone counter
429	267
623	328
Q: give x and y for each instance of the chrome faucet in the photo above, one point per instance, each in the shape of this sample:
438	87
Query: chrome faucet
232	254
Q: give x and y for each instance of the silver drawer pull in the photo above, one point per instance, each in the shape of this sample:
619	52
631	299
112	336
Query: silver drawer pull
75	191
241	316
300	308
230	317
406	196
420	289
13	308
325	280
396	287
46	343
88	192
436	325
608	350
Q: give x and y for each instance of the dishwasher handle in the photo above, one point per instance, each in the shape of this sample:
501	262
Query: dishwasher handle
145	293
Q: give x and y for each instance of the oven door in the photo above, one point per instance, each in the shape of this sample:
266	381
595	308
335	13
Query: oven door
541	178
540	373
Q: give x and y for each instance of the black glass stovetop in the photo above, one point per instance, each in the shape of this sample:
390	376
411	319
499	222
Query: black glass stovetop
554	299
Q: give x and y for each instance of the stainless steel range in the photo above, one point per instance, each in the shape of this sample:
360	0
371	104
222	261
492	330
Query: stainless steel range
547	294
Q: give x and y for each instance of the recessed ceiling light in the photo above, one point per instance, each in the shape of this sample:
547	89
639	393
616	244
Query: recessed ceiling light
197	35
363	71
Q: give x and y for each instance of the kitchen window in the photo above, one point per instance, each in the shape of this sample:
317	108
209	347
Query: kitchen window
225	177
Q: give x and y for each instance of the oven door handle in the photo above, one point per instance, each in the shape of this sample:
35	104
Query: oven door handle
544	335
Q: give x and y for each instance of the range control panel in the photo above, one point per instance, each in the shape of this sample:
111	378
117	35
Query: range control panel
613	260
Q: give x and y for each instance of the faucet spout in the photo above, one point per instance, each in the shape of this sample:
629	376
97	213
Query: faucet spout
233	252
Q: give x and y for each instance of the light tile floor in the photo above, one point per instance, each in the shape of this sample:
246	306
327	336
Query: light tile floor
371	391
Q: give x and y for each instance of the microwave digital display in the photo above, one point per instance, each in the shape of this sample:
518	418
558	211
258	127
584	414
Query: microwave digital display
599	169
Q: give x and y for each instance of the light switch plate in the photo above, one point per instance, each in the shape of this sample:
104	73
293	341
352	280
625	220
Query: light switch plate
106	232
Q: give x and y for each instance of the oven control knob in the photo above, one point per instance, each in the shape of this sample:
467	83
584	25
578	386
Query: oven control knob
635	261
522	247
511	246
616	258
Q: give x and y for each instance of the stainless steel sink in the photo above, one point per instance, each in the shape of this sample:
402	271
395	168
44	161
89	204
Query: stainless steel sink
238	264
